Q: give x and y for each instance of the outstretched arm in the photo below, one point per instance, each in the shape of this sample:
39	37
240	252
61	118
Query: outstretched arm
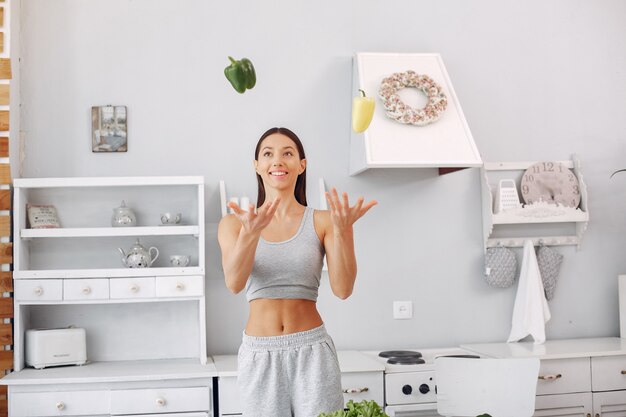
339	241
238	235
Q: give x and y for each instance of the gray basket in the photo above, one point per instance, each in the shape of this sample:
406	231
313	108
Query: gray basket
500	267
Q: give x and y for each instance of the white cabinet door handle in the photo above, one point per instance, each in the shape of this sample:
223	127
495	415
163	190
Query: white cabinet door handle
87	290
38	291
180	286
60	405
134	288
550	377
160	401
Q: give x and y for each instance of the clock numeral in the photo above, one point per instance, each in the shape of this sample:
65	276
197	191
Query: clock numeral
576	190
548	167
529	178
536	169
525	189
571	177
573	203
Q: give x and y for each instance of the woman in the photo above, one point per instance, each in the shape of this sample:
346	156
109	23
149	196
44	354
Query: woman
287	362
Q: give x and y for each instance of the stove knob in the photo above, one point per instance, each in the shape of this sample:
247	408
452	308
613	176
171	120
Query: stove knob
424	389
407	389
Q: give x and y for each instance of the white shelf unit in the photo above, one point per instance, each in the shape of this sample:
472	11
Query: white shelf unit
548	225
143	324
447	143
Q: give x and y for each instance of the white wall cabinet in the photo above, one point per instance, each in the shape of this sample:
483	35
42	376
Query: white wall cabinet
143	325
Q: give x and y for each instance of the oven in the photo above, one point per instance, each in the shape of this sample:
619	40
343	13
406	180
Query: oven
410	381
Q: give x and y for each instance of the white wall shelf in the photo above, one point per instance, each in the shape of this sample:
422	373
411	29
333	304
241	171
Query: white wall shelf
447	143
110	231
542	223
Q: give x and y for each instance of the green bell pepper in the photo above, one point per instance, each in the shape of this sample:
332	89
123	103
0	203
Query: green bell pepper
240	74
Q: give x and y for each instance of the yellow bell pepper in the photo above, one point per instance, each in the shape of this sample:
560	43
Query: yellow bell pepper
362	112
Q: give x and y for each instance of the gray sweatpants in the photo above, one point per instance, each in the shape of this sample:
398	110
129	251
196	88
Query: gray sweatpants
293	375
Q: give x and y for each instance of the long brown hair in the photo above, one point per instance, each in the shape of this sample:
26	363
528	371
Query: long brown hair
300	191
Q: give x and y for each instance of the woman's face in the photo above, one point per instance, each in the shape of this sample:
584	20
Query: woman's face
278	162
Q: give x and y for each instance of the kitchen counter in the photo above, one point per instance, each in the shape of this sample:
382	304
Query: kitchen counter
553	349
349	361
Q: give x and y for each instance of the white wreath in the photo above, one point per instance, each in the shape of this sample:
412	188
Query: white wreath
397	110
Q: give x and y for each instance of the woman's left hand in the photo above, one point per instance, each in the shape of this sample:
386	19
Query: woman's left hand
342	215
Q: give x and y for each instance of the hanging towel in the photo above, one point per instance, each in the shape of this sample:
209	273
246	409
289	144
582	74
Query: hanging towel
531	311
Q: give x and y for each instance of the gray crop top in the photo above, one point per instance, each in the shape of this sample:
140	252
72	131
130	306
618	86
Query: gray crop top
288	269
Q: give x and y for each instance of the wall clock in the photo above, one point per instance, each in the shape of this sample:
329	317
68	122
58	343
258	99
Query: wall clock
551	182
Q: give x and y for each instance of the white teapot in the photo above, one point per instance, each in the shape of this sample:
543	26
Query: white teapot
138	256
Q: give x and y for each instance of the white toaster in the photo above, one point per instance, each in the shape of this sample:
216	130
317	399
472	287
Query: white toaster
55	347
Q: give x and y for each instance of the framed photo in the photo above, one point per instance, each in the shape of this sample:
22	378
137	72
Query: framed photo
109	129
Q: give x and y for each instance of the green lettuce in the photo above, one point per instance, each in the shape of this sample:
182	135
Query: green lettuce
361	409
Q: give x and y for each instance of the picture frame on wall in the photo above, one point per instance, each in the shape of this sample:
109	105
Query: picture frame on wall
109	129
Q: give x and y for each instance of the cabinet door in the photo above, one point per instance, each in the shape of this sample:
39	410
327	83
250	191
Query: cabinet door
611	404
562	376
564	405
127	288
38	289
180	286
359	386
68	403
85	289
608	373
161	400
229	401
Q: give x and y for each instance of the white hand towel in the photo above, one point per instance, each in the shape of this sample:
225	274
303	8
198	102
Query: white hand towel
531	311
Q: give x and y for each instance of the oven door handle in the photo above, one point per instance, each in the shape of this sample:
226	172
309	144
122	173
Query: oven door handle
408	409
355	390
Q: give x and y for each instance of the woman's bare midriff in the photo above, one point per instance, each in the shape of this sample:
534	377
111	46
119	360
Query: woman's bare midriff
270	317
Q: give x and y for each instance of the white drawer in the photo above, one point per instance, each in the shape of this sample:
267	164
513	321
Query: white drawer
38	289
132	287
363	386
180	286
606	373
160	400
561	376
69	403
85	289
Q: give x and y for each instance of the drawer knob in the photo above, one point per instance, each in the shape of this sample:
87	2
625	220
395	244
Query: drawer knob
60	405
160	401
355	390
180	286
623	372
38	290
550	377
87	290
134	288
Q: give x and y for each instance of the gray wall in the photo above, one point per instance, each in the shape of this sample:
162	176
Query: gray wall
538	80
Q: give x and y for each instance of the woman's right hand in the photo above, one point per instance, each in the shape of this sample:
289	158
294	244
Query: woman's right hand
255	222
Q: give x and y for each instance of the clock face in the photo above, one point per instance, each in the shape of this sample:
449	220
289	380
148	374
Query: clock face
551	182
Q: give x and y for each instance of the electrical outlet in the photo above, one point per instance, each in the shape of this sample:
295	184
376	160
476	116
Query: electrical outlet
403	309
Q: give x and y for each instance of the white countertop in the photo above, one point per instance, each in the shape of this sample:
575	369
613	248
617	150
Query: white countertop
118	371
553	349
349	361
